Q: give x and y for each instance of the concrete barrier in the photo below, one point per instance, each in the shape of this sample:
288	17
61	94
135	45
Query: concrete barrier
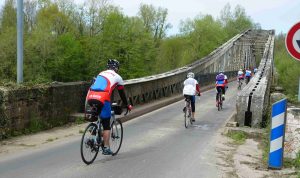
253	100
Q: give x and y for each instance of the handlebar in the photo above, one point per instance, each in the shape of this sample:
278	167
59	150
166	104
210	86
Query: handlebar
119	109
127	111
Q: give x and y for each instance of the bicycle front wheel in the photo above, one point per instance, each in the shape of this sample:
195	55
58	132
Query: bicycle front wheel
89	148
116	136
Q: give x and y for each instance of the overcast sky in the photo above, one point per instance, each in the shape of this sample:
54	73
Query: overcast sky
271	14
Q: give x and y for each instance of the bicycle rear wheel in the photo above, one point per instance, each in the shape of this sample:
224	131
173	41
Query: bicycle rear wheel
186	120
186	115
219	101
89	148
116	136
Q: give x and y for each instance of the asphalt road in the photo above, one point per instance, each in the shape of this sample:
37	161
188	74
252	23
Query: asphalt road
155	145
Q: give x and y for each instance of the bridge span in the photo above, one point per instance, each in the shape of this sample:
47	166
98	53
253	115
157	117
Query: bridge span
52	105
155	144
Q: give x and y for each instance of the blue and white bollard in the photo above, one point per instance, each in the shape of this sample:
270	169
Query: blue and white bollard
277	134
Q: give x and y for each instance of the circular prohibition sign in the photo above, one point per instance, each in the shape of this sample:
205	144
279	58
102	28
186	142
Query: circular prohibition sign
292	41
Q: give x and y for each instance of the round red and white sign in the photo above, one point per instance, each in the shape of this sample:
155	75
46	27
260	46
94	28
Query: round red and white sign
292	41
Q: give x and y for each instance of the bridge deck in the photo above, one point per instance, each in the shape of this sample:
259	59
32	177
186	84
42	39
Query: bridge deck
155	145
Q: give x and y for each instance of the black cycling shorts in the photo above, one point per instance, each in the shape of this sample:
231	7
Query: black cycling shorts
192	98
106	124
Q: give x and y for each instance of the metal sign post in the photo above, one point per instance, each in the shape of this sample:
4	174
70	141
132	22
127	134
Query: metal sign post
299	91
277	134
20	41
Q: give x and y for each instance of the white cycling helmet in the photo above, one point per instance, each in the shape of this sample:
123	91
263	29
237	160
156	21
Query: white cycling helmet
190	75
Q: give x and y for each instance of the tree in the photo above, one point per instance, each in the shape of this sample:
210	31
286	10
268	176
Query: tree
287	68
8	42
154	21
236	21
95	14
30	11
204	34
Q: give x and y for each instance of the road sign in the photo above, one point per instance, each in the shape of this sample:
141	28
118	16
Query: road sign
277	134
292	41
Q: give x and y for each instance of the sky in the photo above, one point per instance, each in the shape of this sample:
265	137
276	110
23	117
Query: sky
280	15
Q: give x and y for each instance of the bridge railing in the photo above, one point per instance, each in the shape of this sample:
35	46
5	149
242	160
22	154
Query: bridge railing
143	90
253	100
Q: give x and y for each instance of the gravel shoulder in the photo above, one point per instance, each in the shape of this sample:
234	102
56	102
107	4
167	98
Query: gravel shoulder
40	140
244	160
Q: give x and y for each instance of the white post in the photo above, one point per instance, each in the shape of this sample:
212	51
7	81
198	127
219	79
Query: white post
20	41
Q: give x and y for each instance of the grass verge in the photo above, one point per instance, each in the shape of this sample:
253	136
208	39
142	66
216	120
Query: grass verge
239	137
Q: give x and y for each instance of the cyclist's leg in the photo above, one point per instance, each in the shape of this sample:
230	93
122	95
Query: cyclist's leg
218	91
185	103
105	116
193	98
223	92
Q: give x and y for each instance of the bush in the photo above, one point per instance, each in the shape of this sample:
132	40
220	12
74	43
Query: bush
287	68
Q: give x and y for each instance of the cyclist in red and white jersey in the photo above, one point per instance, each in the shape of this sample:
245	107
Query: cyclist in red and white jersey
99	96
240	75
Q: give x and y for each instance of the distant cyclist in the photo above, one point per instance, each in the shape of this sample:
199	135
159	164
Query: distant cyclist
221	84
190	89
240	75
255	70
240	78
248	75
99	96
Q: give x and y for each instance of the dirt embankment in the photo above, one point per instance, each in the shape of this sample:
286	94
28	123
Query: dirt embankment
245	160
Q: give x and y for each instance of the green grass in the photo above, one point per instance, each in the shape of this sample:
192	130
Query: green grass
239	137
36	125
265	145
293	162
79	120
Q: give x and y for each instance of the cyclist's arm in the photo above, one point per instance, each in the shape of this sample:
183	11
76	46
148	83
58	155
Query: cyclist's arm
198	89
122	94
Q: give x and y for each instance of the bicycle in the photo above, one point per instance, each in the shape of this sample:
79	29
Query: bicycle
187	113
247	79
92	138
240	83
220	100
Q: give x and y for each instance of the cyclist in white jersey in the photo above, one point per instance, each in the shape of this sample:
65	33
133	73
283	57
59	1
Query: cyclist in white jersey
191	88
